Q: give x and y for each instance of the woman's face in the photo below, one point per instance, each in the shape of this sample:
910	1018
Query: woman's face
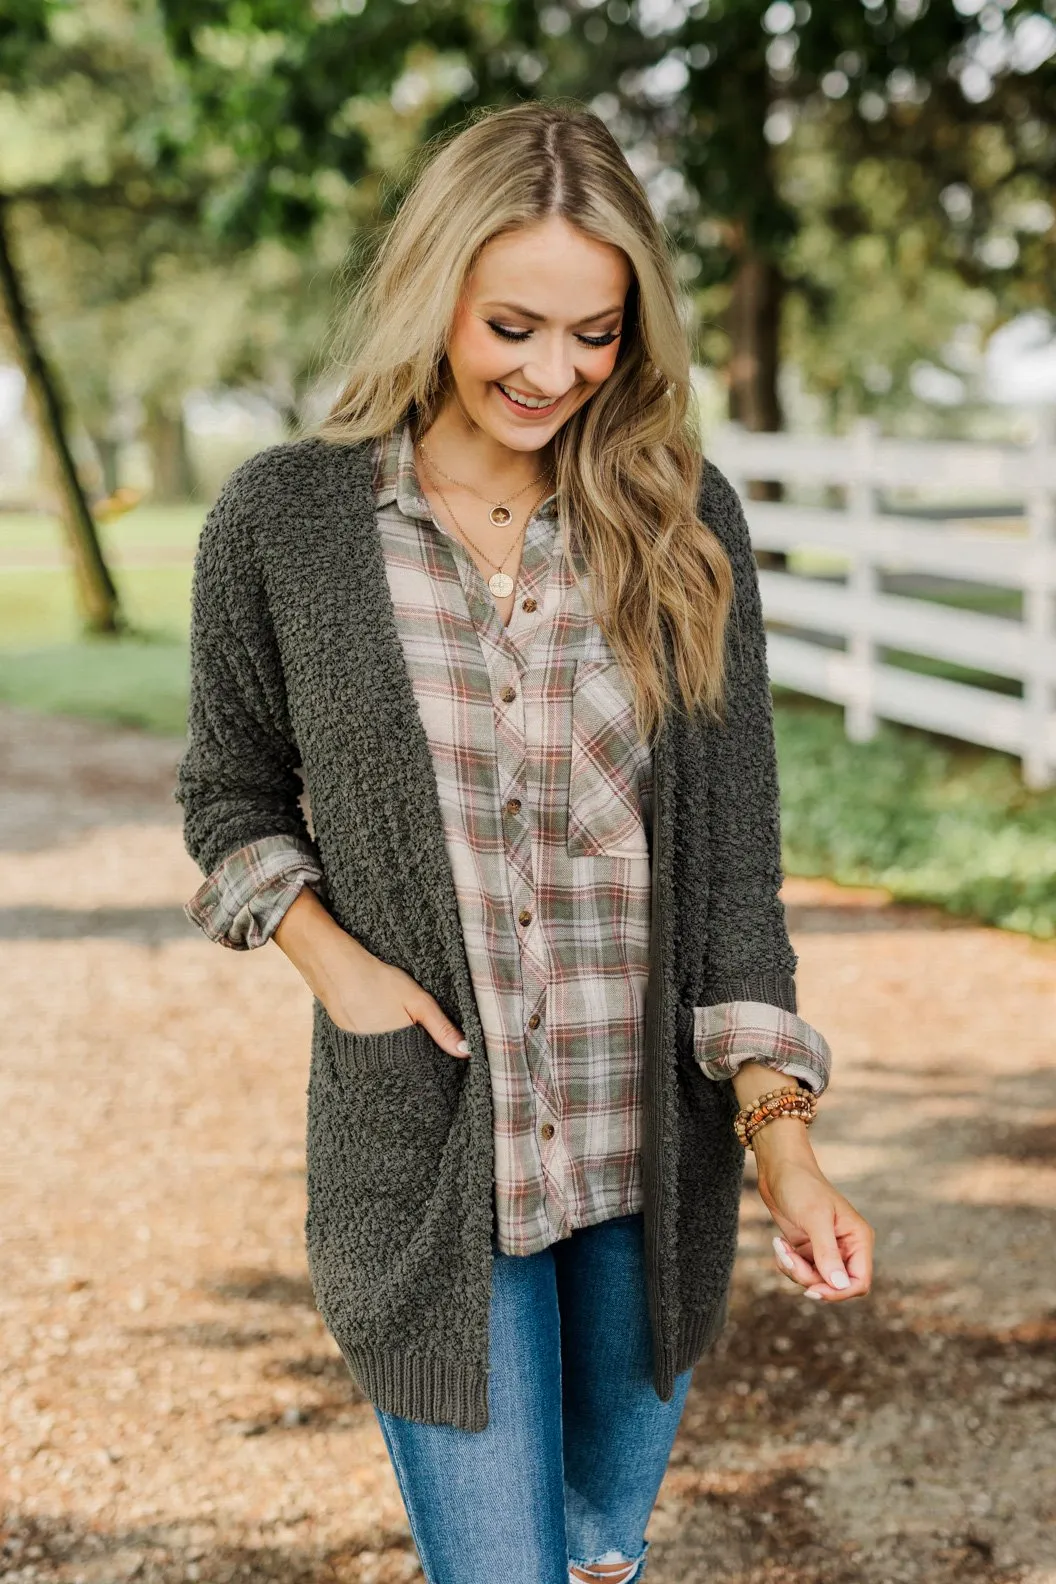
539	319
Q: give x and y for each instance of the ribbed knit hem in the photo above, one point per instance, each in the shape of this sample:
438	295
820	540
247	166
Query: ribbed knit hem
420	1386
695	1338
701	1333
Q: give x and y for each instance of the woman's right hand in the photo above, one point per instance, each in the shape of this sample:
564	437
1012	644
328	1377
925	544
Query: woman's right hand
360	993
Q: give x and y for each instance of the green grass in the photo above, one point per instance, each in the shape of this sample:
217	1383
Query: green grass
928	819
39	607
174	526
131	682
140	679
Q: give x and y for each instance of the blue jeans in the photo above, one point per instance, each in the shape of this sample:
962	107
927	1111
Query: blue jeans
577	1441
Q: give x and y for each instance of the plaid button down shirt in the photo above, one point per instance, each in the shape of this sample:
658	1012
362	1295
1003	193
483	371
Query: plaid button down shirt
546	794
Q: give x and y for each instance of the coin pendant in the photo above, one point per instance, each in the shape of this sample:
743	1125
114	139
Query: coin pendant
500	583
500	516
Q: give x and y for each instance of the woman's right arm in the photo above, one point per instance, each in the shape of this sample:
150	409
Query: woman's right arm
237	779
238	784
359	991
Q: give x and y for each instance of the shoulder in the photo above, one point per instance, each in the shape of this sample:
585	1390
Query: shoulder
719	506
265	507
281	486
296	466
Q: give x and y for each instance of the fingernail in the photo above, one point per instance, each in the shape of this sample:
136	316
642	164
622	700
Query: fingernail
782	1251
463	1046
839	1278
812	1292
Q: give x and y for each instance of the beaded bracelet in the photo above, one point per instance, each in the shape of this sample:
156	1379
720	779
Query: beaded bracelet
784	1104
796	1109
802	1103
759	1118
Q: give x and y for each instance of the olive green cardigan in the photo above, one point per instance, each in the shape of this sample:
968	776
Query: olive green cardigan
296	662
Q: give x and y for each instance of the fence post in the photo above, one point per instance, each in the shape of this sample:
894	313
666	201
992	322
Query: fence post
1039	611
860	716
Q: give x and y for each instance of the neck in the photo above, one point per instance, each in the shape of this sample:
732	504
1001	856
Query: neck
472	456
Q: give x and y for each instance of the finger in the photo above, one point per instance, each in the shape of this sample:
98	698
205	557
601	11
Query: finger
793	1265
444	1032
858	1256
857	1286
825	1251
798	1268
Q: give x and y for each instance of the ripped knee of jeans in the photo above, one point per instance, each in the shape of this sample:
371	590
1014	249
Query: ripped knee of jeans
612	1567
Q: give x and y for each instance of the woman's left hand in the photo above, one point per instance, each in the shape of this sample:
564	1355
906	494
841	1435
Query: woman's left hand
825	1246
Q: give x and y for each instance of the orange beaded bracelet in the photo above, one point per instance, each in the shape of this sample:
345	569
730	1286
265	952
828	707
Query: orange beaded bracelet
802	1103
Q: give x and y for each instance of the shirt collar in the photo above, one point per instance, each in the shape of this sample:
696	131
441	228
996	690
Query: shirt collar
396	478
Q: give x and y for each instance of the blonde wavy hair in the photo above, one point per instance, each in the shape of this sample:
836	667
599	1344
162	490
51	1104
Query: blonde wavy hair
629	462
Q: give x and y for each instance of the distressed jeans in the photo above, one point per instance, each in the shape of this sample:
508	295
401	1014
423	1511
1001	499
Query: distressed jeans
568	1468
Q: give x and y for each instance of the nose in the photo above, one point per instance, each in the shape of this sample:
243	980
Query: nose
551	369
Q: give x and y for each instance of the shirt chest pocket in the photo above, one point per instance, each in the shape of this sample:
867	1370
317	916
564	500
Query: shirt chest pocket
610	768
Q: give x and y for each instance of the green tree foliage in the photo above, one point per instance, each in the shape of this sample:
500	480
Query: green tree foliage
924	195
713	97
139	297
277	87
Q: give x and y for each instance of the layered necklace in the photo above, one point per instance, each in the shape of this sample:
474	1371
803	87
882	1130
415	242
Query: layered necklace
500	583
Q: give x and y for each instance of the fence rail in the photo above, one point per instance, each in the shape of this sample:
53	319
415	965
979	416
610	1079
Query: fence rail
856	611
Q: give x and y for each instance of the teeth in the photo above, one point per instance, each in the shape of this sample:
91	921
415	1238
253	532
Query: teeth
523	401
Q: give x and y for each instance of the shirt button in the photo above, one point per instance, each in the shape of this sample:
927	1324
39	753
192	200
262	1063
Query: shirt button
534	1020
547	1130
513	806
524	916
529	604
508	694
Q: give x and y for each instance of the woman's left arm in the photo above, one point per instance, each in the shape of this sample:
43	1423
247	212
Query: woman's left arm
825	1246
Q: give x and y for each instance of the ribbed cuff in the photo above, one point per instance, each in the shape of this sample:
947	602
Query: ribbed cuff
420	1386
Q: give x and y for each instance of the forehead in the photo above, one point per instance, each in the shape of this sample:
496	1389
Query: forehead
552	268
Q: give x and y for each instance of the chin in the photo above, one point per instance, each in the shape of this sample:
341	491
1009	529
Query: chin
513	436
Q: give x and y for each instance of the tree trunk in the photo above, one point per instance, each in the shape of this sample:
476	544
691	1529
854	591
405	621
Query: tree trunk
95	587
754	329
754	324
170	459
109	452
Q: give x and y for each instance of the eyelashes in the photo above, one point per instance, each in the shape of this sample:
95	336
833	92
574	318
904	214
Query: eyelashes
522	335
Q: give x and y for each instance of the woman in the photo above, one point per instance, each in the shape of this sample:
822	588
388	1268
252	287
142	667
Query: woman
503	620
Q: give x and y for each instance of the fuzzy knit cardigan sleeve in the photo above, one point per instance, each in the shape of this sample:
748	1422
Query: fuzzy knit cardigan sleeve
237	780
751	958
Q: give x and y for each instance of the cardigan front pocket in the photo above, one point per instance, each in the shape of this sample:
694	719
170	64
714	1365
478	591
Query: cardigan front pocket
385	1152
409	1045
609	766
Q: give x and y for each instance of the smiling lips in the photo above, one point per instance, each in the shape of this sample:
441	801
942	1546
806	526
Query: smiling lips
528	405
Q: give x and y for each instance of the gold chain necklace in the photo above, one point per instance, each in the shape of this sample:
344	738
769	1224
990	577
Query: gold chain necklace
500	583
500	514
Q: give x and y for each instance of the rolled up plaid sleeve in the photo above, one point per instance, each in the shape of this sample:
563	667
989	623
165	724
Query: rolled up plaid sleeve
243	901
733	1032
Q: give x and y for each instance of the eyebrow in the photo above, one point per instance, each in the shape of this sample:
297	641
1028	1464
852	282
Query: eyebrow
526	313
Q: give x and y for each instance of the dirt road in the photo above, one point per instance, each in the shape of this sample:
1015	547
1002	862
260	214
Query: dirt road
171	1406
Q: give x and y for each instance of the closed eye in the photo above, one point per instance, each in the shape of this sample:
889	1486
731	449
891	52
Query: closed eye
522	335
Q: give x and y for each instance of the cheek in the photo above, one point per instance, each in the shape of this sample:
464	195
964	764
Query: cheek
474	352
600	364
608	355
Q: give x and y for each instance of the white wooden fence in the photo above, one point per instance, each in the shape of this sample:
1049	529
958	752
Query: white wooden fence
868	619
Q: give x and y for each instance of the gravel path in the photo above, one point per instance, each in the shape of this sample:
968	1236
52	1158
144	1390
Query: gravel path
171	1406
